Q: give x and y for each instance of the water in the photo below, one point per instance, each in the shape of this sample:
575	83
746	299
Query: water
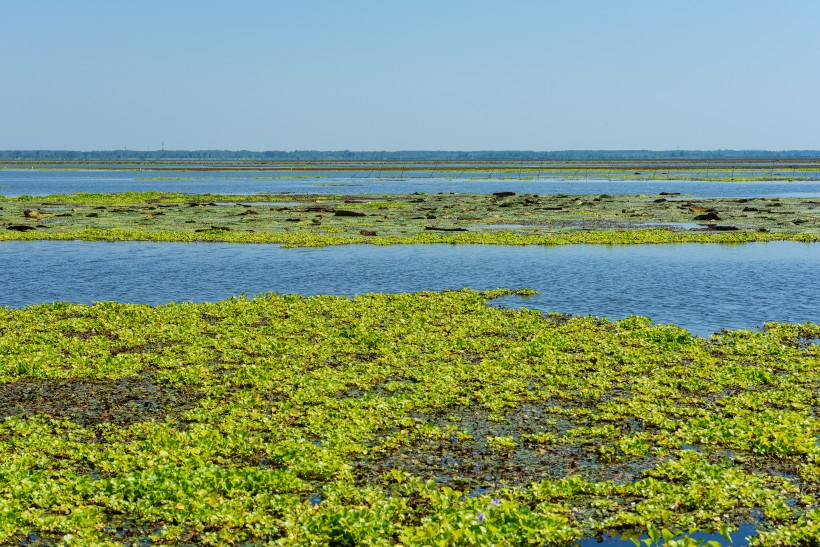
739	538
702	288
681	225
15	182
258	203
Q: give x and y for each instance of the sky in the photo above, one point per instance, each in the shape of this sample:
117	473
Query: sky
420	75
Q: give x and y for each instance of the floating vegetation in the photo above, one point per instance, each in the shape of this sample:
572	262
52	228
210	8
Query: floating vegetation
411	419
501	218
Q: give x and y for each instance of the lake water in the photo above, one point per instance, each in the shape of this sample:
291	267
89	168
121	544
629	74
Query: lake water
15	182
701	287
739	538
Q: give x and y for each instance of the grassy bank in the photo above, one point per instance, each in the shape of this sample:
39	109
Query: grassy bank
412	419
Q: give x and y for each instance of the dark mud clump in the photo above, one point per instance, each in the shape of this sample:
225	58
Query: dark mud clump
88	402
215	229
440	229
346	213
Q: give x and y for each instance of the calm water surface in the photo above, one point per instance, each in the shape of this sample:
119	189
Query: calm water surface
739	538
703	288
15	182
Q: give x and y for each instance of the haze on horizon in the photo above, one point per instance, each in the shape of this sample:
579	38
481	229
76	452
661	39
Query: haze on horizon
369	75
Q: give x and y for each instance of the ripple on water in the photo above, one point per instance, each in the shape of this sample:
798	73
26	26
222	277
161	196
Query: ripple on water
701	287
738	538
40	183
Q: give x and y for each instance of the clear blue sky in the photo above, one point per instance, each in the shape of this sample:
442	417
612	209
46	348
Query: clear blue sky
388	75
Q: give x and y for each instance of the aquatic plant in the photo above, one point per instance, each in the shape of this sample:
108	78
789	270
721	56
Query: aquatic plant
311	220
413	419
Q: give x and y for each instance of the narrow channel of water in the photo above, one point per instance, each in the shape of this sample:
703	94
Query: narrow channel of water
39	183
702	288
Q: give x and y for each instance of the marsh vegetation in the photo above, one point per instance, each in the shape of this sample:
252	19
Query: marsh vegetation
425	418
501	218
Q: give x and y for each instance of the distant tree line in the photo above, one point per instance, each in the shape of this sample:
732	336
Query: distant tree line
405	155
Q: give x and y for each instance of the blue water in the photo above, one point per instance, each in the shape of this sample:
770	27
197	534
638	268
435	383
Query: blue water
739	538
15	182
703	288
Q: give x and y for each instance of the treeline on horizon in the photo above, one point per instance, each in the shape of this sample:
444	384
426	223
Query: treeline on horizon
404	155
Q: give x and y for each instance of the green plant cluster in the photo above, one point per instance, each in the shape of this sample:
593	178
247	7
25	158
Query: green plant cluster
318	220
409	419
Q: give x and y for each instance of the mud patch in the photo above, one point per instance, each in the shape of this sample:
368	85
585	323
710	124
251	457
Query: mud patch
87	335
89	402
474	464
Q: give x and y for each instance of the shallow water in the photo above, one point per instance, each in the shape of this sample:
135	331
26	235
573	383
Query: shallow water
681	225
258	203
15	182
701	287
738	538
